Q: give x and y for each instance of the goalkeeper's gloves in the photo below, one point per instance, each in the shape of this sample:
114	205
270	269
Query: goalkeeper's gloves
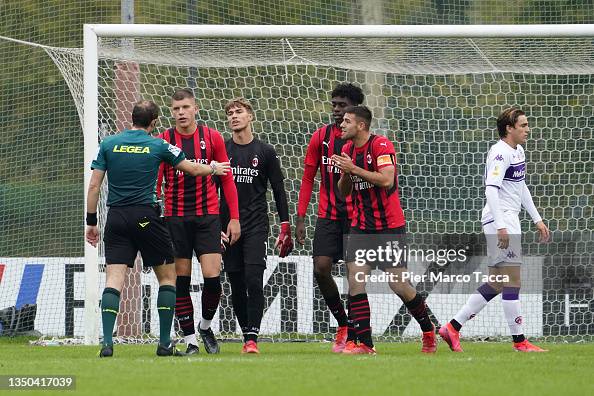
284	240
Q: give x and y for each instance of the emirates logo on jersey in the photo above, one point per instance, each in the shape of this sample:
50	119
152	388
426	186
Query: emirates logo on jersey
255	162
369	158
202	144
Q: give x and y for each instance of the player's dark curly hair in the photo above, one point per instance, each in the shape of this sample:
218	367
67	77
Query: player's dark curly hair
144	112
508	117
350	91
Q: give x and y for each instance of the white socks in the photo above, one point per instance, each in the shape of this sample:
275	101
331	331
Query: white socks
204	324
191	339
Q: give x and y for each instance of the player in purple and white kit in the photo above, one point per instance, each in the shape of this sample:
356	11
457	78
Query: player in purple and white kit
507	193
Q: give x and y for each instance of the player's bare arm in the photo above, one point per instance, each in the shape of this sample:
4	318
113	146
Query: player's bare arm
300	230
345	184
502	238
196	169
543	232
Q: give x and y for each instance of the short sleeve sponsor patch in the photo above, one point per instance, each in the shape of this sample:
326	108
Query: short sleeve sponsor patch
176	151
496	171
385	159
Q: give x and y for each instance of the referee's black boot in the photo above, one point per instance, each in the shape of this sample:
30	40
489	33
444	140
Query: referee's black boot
106	351
169	350
210	342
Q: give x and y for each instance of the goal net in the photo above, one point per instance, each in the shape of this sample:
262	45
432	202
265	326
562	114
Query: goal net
435	98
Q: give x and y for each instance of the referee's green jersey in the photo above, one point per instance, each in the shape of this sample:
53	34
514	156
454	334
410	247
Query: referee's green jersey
131	159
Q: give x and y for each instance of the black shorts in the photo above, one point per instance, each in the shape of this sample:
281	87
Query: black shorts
382	249
329	236
250	249
130	229
198	234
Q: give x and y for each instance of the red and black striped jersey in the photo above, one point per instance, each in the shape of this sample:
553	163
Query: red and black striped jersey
324	143
187	195
374	208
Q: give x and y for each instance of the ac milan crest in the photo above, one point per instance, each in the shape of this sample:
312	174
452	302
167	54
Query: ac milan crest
202	144
255	162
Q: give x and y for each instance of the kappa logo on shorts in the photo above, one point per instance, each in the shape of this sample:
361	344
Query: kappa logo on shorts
511	254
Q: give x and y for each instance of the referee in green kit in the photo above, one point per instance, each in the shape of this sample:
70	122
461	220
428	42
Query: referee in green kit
131	160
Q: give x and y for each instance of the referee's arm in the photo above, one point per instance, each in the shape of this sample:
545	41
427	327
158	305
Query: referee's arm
93	192
92	233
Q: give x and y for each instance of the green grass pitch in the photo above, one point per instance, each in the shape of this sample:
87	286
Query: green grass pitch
310	369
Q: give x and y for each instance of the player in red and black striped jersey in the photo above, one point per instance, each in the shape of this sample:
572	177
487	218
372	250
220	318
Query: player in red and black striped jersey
333	213
368	165
192	216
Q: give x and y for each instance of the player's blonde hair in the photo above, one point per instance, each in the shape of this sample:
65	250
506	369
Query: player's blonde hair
240	102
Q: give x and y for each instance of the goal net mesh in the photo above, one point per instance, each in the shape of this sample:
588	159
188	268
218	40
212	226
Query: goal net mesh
437	100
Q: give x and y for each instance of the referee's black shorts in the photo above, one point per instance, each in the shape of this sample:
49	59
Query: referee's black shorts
134	228
194	234
360	242
250	249
328	238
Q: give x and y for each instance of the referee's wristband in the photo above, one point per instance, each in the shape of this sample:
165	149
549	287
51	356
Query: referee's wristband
91	219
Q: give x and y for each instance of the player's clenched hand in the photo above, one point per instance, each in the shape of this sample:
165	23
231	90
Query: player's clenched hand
92	235
300	231
543	231
284	240
233	231
343	162
220	168
502	238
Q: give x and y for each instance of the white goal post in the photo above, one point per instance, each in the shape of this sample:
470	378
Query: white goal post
91	55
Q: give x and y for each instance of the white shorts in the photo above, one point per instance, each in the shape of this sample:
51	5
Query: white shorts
513	254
